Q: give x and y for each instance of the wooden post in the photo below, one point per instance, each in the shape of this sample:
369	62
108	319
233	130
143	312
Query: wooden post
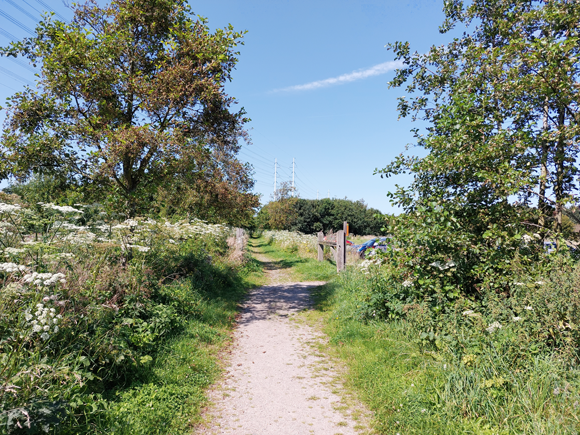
340	250
320	247
345	228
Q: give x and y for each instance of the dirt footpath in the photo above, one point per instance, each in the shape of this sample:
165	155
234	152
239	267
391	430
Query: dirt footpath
277	382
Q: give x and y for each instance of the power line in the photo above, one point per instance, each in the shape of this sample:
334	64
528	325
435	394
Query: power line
16	76
262	167
275	168
9	87
14	59
41	3
16	22
21	9
293	171
256	154
22	63
31	7
259	164
308	180
8	35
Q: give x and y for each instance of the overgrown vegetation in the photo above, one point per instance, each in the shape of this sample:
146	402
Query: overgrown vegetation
500	368
108	326
494	364
296	252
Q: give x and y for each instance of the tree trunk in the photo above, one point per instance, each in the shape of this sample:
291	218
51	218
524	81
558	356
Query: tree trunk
559	158
542	203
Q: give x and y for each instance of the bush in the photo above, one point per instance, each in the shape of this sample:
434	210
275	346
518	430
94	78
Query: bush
85	306
505	363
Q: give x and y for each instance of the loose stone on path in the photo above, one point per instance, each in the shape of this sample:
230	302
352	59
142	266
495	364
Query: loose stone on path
276	382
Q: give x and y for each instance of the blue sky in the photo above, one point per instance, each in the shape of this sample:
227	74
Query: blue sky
312	76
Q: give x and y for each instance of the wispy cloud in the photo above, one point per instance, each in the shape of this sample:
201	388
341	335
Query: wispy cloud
377	70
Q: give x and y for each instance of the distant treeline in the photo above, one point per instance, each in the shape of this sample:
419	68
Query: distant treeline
311	215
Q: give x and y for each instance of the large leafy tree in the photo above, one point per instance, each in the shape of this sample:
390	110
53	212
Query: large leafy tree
130	100
501	104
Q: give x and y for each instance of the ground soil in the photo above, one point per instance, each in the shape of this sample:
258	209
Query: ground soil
278	379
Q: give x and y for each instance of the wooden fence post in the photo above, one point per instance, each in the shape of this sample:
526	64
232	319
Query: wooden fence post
320	247
340	250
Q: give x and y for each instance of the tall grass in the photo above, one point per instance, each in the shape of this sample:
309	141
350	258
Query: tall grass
418	386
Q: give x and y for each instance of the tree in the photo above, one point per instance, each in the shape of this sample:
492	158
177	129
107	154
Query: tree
501	103
221	193
310	216
280	213
131	100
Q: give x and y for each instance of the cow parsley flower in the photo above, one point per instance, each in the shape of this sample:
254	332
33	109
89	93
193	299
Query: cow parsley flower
9	208
44	279
492	328
62	209
11	268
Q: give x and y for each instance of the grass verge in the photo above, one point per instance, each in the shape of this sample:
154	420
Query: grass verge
299	268
413	389
171	393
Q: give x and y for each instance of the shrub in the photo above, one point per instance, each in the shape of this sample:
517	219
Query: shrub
86	301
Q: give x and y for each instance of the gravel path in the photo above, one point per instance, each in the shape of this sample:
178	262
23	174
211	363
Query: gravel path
277	382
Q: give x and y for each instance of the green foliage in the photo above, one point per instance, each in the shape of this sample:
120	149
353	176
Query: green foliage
133	111
442	251
426	373
302	265
85	343
311	216
501	122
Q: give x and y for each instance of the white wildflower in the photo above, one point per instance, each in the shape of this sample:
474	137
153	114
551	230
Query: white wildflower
46	279
14	251
407	283
516	318
528	308
11	268
81	237
62	209
9	208
44	336
491	328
